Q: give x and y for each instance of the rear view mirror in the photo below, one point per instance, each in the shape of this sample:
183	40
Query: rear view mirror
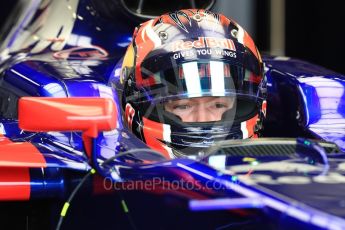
89	115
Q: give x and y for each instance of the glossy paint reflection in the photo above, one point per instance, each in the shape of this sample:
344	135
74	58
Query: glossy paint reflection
324	107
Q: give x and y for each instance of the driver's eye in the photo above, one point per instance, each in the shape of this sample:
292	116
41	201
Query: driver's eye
220	105
181	107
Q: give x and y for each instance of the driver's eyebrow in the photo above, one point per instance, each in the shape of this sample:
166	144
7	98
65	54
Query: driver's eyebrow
183	100
177	100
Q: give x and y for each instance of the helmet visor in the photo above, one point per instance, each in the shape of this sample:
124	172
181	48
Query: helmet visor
199	85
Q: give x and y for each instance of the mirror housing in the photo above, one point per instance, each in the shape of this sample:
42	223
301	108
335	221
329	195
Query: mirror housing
89	115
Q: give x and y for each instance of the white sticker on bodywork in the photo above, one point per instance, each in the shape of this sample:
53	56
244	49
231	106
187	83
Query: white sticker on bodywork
52	28
2	129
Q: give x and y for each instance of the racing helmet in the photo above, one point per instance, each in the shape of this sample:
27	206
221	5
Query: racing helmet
198	57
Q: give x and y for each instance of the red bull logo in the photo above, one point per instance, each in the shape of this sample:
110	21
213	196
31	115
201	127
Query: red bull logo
205	42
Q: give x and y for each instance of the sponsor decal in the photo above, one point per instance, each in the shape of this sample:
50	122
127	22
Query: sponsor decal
52	20
204	42
55	39
212	52
211	46
82	53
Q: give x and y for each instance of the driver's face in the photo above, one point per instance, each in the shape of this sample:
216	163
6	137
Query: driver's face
200	109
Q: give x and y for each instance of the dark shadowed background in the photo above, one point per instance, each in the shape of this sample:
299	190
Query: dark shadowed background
311	30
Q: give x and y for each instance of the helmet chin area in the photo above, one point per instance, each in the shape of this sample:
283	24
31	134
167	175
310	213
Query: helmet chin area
193	141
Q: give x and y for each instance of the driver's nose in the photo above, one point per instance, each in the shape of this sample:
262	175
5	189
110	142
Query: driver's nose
202	115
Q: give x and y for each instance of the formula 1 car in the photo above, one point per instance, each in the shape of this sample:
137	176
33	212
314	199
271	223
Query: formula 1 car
67	160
